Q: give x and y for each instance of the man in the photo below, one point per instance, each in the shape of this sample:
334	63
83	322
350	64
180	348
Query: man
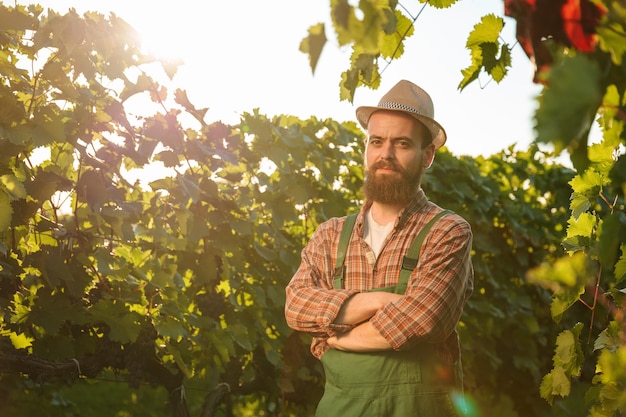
388	349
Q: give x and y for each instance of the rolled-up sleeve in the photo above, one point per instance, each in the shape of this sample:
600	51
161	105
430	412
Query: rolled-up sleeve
312	303
437	289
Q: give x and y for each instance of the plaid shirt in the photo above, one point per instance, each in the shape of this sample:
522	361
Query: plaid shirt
434	299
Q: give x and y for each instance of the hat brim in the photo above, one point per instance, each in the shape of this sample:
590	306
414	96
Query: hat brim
437	131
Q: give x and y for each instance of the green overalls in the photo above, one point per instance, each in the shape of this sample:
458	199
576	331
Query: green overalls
411	383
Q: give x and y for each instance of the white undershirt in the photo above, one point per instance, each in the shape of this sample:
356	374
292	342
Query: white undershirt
375	234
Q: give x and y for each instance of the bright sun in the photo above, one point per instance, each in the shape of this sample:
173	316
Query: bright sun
164	35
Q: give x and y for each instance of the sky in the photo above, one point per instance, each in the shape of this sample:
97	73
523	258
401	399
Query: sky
244	54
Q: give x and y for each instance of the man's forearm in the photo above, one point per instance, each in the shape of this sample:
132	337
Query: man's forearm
363	338
361	307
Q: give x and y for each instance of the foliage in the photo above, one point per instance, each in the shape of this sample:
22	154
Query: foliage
156	246
177	275
578	50
515	202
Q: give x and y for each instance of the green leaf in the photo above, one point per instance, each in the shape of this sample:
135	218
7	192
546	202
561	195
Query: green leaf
563	301
240	334
579	203
567	278
125	329
496	65
6	211
117	219
144	83
588	184
568	270
365	40
568	105
441	4
602	156
612	368
265	253
13	186
314	43
483	44
222	344
609	338
487	31
191	188
178	358
610	231
93	188
568	354
124	326
16	19
45	184
611	39
168	157
342	12
164	278
613	394
583	226
620	266
553	384
392	44
20	341
170	327
567	361
598	411
271	353
51	310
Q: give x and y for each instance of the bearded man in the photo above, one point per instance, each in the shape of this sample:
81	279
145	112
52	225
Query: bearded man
382	292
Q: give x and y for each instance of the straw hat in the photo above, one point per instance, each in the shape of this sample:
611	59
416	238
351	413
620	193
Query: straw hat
408	98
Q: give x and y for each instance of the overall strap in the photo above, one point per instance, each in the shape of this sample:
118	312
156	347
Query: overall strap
409	261
342	248
411	258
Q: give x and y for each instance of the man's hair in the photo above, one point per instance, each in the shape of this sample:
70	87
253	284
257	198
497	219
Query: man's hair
427	137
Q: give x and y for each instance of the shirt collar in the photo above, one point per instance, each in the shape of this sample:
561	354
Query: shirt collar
416	204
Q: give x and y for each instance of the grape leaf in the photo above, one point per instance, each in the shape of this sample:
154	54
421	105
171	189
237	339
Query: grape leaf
314	43
568	353
13	186
569	103
620	265
553	384
484	47
611	39
583	226
6	211
124	326
240	334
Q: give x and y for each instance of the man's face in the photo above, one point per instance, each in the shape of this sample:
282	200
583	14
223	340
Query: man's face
394	157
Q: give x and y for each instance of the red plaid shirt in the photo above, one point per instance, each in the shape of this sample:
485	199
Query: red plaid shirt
437	290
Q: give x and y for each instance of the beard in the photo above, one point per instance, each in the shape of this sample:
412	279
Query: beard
395	189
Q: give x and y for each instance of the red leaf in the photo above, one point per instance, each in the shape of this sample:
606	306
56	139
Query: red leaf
570	22
580	19
536	20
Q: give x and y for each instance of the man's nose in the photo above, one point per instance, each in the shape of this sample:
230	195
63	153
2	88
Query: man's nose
387	151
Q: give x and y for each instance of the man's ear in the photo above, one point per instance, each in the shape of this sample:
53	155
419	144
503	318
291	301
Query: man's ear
429	155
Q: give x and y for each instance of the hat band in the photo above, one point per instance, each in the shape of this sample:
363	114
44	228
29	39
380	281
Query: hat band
397	106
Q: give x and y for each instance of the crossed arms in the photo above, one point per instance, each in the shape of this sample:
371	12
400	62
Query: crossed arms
355	319
357	310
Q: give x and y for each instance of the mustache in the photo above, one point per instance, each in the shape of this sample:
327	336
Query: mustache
385	165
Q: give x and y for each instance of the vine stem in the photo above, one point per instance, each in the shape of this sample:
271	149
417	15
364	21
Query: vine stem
595	303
